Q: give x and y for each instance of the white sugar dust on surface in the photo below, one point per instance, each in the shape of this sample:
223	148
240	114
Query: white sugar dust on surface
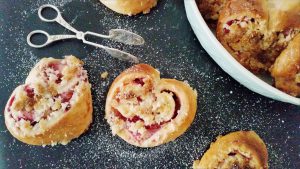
223	105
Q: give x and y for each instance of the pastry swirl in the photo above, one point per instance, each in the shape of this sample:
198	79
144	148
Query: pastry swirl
147	111
241	149
53	106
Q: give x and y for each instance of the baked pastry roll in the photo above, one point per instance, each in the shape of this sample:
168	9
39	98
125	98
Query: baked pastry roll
53	106
286	69
130	7
256	31
241	149
147	111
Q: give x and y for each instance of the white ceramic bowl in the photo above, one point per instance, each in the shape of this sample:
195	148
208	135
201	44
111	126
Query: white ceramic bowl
223	58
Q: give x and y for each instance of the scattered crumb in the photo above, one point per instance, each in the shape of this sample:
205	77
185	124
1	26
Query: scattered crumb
104	75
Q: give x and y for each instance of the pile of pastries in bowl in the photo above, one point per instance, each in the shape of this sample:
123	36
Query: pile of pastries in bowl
262	35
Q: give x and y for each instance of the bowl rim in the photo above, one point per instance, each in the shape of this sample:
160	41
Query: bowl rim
242	75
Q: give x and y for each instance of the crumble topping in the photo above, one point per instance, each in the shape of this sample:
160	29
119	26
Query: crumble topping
51	90
104	75
142	109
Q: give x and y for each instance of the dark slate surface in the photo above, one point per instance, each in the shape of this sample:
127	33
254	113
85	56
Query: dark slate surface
224	105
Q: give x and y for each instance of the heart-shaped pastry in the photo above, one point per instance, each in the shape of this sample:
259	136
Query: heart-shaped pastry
53	106
147	111
241	149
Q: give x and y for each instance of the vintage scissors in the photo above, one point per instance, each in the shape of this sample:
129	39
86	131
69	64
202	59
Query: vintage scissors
119	35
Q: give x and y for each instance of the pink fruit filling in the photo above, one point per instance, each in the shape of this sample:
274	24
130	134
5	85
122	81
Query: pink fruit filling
151	129
239	22
66	96
27	115
29	91
139	99
59	78
48	102
139	81
177	105
135	119
226	30
24	114
54	69
55	66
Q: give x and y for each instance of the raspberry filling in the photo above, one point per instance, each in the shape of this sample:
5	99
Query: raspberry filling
139	99
237	160
287	32
66	96
139	81
54	70
177	105
150	128
29	91
44	98
55	66
28	115
240	22
59	78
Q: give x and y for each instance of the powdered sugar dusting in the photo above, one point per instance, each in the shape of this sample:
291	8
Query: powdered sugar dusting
171	47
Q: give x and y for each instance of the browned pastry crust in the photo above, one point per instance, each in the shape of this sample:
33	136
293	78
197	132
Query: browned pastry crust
256	31
130	7
241	149
210	9
284	15
147	111
286	68
53	106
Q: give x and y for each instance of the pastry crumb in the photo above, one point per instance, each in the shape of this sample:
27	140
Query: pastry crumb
104	75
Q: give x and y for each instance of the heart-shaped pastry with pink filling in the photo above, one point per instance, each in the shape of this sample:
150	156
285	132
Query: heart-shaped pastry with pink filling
53	106
147	111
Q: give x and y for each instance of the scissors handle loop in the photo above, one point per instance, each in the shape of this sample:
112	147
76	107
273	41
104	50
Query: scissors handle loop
50	38
59	19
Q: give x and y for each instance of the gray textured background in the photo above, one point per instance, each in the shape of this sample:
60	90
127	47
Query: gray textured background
223	104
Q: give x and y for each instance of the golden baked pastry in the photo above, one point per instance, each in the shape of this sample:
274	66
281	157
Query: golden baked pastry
130	7
256	31
147	111
241	149
286	69
210	9
53	106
